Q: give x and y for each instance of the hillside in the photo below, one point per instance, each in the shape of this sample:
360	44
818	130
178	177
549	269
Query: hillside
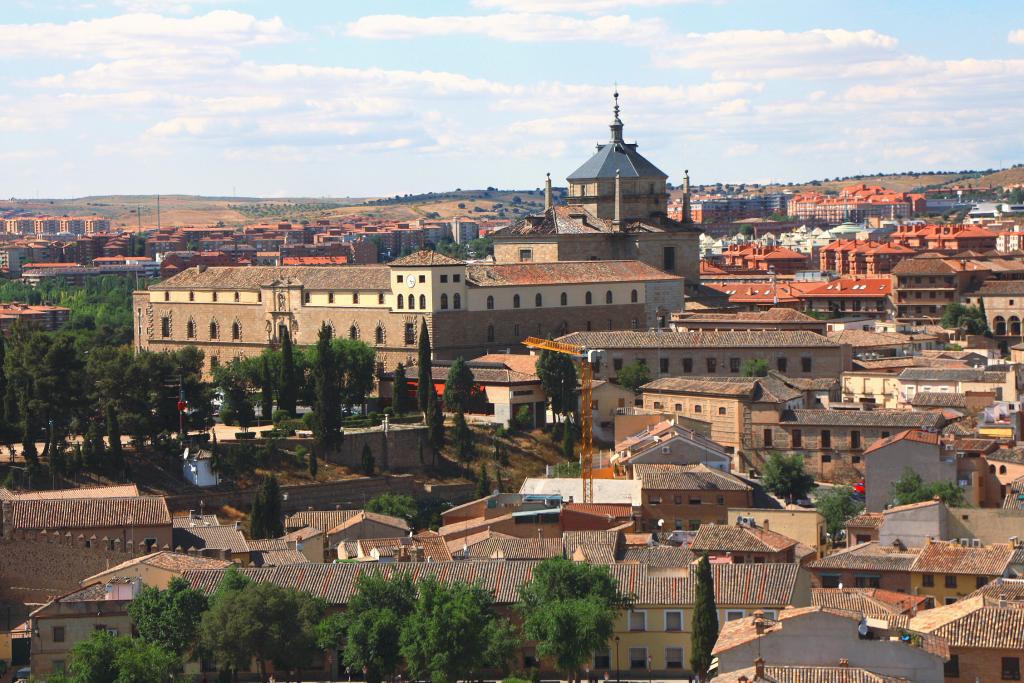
913	182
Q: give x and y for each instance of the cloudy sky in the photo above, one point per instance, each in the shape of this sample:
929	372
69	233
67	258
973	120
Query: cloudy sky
358	98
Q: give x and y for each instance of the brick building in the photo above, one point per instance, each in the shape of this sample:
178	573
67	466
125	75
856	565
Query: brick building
862	258
686	496
985	636
469	309
765	259
868	297
925	285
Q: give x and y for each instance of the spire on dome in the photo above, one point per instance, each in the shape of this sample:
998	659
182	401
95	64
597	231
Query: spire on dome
616	121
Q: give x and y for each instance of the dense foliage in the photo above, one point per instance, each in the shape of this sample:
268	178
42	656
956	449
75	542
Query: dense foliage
836	505
557	373
784	476
633	376
169	618
704	631
911	488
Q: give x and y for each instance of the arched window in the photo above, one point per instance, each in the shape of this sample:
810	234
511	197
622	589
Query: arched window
214	329
490	303
378	335
1000	325
1002	469
167	296
238	297
236	330
191	296
423	301
590	298
355	297
456	301
444	302
538	301
565	299
353	332
190	329
380	298
608	297
634	297
165	327
991	469
515	301
490	333
401	301
1014	326
412	302
330	330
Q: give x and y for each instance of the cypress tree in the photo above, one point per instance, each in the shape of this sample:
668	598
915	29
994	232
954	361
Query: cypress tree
400	392
368	463
327	395
483	482
257	516
114	435
28	440
426	369
265	519
462	438
704	631
287	395
314	466
458	387
266	389
568	452
435	422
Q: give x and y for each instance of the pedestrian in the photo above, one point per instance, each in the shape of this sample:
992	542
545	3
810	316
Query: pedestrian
348	673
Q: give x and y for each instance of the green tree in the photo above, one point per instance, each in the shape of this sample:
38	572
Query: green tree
784	475
459	387
394	504
266	388
261	621
327	401
569	608
435	422
968	319
462	439
237	408
453	632
754	367
169	618
568	442
288	387
94	449
401	400
358	363
633	376
704	630
557	373
104	658
373	623
367	462
114	437
266	519
483	482
425	367
911	488
837	506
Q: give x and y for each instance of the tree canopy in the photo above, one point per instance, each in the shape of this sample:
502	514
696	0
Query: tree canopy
396	505
754	367
459	388
372	623
169	618
837	506
784	475
633	376
968	319
704	629
911	488
105	658
425	366
557	373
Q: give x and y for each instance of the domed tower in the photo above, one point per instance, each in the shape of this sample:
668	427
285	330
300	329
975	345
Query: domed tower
617	183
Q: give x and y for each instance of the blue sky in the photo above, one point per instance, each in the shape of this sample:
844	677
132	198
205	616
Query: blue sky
348	98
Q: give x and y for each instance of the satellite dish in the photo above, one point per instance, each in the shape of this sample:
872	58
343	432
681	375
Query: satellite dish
661	523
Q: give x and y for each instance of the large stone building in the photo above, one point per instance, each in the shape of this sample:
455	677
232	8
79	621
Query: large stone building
617	208
470	309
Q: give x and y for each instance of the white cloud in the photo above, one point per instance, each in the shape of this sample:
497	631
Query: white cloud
742	149
135	35
749	54
165	6
1016	37
513	27
586	6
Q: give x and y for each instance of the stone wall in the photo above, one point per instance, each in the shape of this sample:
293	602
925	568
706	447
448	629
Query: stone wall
400	451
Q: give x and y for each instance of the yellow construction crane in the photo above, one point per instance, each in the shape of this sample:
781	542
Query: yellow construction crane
585	359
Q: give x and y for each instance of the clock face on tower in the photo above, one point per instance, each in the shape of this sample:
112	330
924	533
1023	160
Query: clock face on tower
410	281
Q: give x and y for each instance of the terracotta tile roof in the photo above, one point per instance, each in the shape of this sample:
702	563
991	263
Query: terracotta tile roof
522	363
1010	589
432	543
116	491
873	287
868	556
261	544
952	375
375	277
939	399
86	513
510	548
327	520
618	510
862	339
1012	455
809	674
687	478
187	521
915	435
426	257
225	537
167	560
375	517
661	556
475	525
723	339
864	418
1014	499
759	389
911	506
927	264
303	534
599	547
770	584
945	557
738	538
771	315
1002	288
562	272
866	520
871	602
278	558
971	623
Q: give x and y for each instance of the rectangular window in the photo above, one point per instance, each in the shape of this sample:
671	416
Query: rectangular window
398	279
768	438
928	580
638	658
616	364
798	438
456	277
410	334
663	364
826	438
603	659
525	255
695	501
830	580
950	581
58	634
638	620
951	669
825	457
781	364
734	365
854	439
712	364
733	614
980	581
805	364
687	365
673	658
866	581
669	259
673	620
422	278
1011	668
444	278
529	657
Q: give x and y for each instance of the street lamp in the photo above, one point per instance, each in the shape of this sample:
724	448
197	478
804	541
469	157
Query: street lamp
618	664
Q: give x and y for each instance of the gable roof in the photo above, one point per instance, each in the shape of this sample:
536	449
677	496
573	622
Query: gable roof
869	556
758	389
85	513
974	623
947	557
739	538
562	272
166	560
115	491
223	537
763	339
426	257
915	435
808	674
687	478
375	277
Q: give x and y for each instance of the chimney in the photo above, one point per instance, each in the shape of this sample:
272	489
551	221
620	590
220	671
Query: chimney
417	553
844	662
617	221
759	669
1002	600
765	525
238	525
759	622
547	193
